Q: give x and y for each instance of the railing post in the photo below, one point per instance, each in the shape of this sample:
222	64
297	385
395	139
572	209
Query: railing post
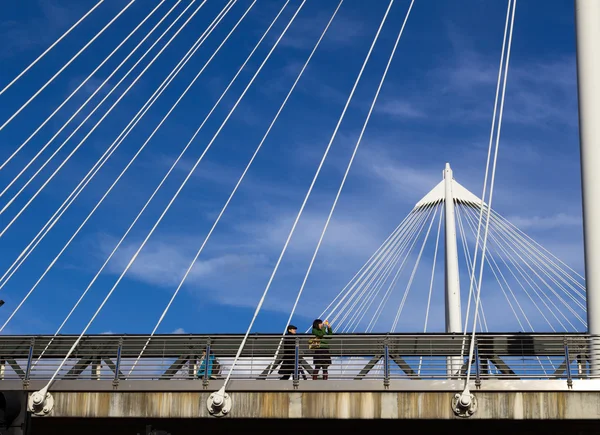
386	364
29	364
568	365
296	363
477	366
206	361
118	363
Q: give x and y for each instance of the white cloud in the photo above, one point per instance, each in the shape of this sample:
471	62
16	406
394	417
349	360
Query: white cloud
39	31
411	182
344	30
165	262
179	331
400	109
546	222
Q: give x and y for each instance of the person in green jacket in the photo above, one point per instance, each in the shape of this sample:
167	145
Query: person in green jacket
322	359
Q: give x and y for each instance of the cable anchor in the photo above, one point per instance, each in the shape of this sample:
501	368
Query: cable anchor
41	403
219	403
464	404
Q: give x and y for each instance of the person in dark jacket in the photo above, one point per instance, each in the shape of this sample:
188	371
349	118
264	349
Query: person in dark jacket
320	343
289	355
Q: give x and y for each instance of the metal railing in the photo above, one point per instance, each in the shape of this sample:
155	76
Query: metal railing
353	357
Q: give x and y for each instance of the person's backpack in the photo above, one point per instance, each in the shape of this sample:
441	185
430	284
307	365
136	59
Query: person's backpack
314	343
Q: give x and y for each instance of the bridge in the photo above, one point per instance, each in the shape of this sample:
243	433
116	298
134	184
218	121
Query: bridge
544	367
517	376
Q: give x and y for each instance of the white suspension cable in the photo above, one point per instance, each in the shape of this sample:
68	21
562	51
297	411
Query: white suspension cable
543	266
540	278
558	271
477	298
48	49
550	274
372	294
434	262
469	270
75	91
260	303
388	293
127	129
412	275
113	185
89	176
409	222
358	142
471	222
493	267
241	178
45	389
358	291
500	240
437	242
396	250
545	272
66	65
368	264
539	247
403	253
176	161
487	165
468	261
526	279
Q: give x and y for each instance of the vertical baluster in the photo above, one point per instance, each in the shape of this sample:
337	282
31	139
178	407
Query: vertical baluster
206	361
386	365
568	365
29	364
118	363
477	366
296	363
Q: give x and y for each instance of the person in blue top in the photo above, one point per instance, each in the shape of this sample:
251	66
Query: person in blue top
208	365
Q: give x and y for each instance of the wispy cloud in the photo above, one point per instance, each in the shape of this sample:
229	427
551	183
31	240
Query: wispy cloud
460	88
40	31
400	109
343	31
546	222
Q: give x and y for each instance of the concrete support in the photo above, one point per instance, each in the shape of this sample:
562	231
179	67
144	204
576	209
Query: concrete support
407	405
453	309
587	18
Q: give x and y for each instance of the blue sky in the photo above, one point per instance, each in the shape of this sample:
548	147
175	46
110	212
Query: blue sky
435	107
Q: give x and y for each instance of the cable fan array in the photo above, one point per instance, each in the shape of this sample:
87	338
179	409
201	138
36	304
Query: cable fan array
522	278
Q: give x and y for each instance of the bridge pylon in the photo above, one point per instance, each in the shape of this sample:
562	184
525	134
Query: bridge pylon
587	19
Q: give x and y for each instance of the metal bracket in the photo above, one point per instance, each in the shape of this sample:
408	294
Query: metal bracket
41	404
219	403
464	404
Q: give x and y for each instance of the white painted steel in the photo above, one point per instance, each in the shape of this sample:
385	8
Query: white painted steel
453	310
587	19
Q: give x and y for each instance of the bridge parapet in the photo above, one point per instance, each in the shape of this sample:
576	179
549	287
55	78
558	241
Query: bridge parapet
374	357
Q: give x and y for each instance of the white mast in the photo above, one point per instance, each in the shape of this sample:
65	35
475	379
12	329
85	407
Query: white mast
449	191
587	21
453	310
